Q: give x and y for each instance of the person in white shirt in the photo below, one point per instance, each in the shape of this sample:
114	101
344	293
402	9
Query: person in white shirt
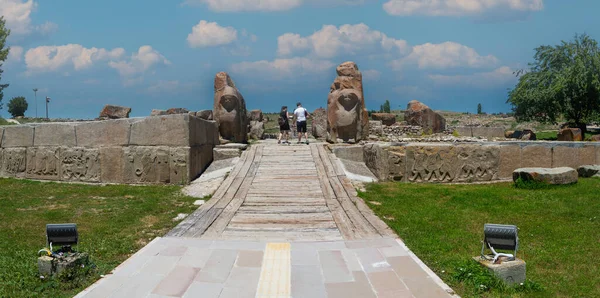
301	114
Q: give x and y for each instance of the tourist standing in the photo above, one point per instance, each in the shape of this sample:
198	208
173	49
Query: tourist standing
284	125
301	114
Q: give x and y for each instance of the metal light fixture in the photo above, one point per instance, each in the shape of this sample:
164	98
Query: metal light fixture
64	235
504	237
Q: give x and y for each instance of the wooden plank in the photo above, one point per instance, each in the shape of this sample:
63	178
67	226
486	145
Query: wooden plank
326	162
340	217
364	228
282	226
281	218
281	209
337	166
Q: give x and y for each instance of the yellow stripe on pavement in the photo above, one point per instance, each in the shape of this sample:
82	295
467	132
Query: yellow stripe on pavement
275	275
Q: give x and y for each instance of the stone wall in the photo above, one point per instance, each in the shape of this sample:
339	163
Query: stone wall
444	162
480	131
172	149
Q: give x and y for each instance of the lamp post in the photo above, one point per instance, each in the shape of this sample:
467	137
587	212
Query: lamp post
47	101
35	90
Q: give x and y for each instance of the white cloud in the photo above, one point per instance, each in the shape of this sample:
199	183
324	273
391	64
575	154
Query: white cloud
18	17
210	34
444	55
283	68
15	54
457	7
331	41
267	5
140	62
498	77
371	74
53	58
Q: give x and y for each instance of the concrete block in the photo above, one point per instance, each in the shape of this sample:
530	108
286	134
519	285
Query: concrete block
48	266
354	152
565	156
376	158
45	266
103	133
220	153
179	165
511	272
535	156
80	164
13	162
43	163
55	134
17	136
198	131
111	164
510	160
169	130
146	164
587	155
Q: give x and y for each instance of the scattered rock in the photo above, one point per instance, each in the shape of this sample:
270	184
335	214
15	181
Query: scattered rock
179	217
589	171
114	112
385	118
528	135
225	153
595	138
319	123
173	111
205	114
255	115
375	128
199	202
421	115
562	175
375	203
158	112
257	130
570	135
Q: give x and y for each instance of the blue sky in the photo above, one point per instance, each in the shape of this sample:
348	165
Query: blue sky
449	54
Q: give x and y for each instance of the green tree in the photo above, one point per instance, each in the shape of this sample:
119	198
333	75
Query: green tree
4	33
385	107
564	81
479	109
17	106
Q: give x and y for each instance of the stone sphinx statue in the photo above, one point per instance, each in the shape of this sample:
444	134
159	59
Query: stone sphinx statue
229	110
347	116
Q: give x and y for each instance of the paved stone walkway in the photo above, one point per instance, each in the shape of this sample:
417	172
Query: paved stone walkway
258	236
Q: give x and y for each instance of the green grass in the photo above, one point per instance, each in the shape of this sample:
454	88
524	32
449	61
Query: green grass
553	135
443	224
4	122
113	222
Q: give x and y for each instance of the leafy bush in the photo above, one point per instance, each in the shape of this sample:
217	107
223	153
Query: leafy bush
17	106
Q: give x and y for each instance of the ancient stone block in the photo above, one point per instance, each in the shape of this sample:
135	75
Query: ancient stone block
146	165
347	116
230	110
375	128
510	160
376	159
173	111
319	123
430	164
179	165
103	133
257	130
354	152
1	135
536	156
477	163
13	162
587	171
199	133
486	132
562	175
55	134
385	118
114	112
225	153
570	135
565	156
170	130
597	155
420	114
112	164
17	136
156	112
587	155
396	163
80	164
43	163
255	115
205	114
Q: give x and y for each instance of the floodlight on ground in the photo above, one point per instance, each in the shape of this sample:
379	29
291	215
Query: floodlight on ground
62	234
503	237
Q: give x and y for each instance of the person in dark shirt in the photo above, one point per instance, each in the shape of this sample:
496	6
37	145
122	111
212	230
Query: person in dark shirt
284	126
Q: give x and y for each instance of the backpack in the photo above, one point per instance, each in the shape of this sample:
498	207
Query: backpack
281	121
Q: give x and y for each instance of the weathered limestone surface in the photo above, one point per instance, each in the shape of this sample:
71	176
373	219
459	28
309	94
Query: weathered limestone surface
103	133
536	156
562	175
385	118
510	160
375	128
419	114
1	135
55	134
353	152
43	163
112	162
587	171
570	134
587	155
205	114
319	123
347	116
257	130
145	164
565	156
170	130
225	153
255	115
230	110
173	111
156	112
376	158
486	132
80	164
595	138
13	162
114	112
179	165
17	136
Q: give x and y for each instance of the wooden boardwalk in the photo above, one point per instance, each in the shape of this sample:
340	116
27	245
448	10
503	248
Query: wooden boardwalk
287	193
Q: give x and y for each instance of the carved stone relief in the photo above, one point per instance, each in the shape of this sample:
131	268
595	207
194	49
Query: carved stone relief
43	162
79	164
146	165
12	162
